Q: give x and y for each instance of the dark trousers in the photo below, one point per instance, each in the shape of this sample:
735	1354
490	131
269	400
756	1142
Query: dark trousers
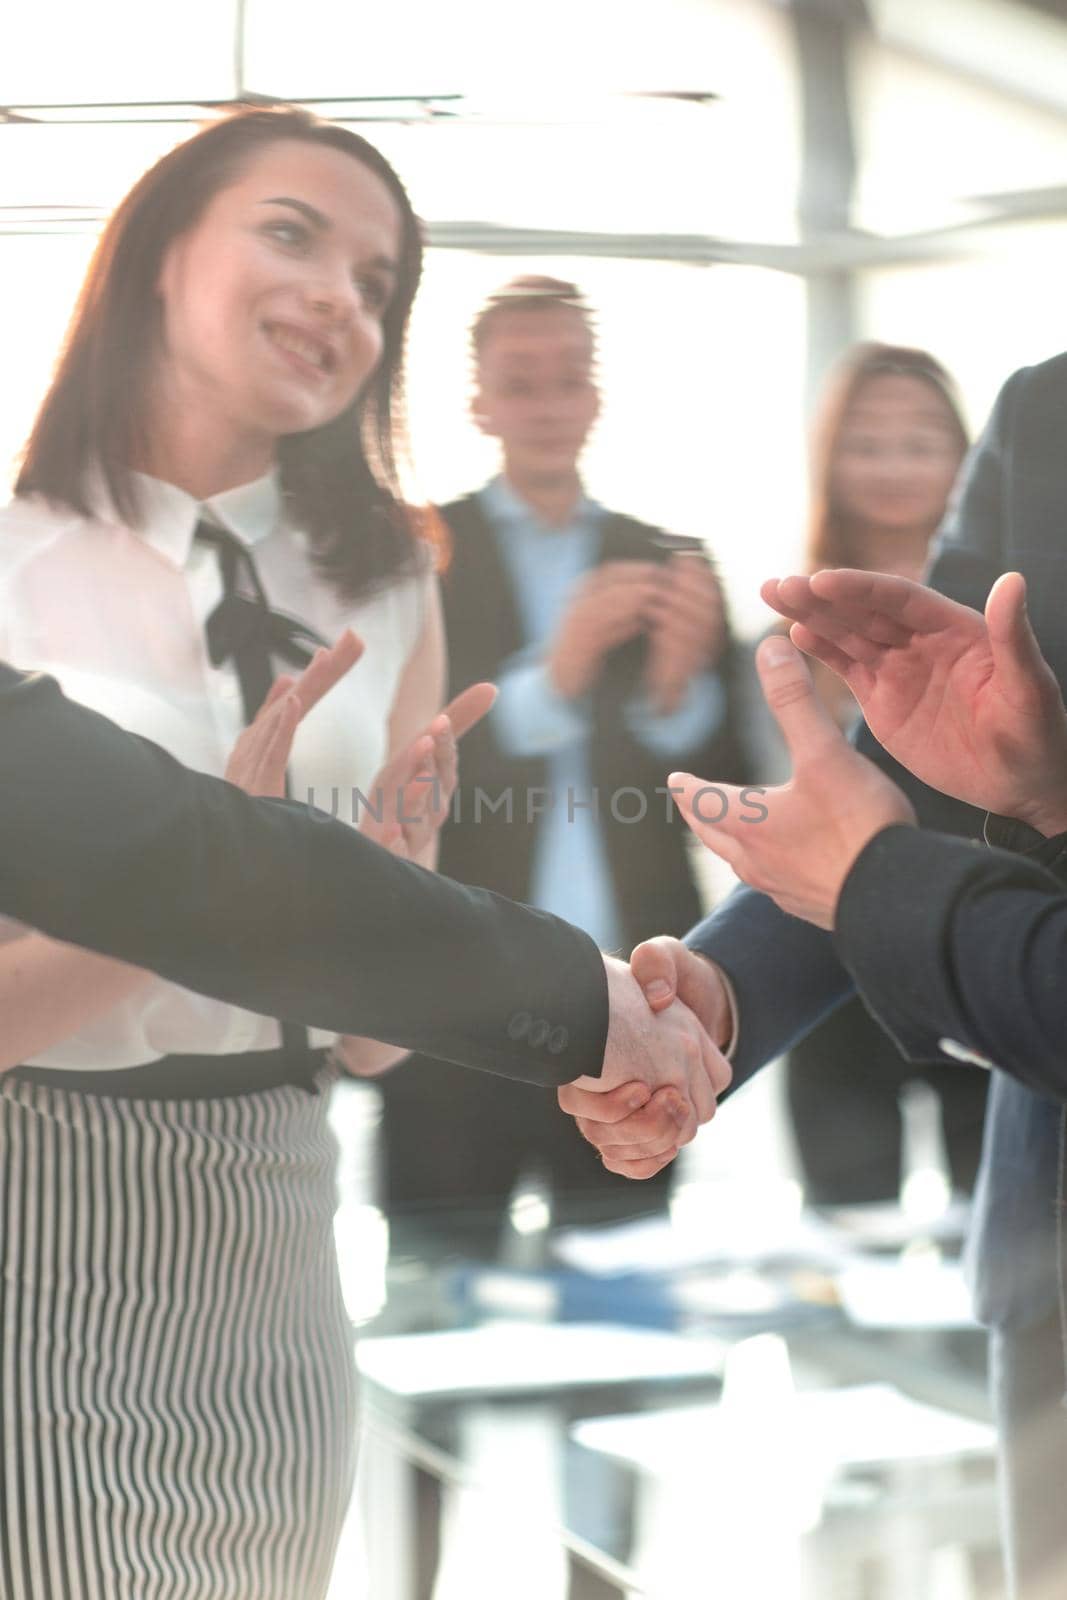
456	1137
844	1087
1027	1371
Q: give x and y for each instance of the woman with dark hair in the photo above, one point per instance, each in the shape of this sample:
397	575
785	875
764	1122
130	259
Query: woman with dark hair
887	442
176	1377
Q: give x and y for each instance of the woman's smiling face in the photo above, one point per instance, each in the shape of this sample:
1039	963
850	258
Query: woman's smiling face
897	455
273	301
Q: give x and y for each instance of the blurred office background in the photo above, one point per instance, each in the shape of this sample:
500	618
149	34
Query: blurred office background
741	188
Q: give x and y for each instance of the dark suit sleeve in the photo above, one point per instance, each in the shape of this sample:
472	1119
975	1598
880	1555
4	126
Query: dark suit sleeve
786	973
108	842
947	940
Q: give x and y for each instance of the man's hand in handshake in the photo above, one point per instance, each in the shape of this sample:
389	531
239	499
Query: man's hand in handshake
663	1065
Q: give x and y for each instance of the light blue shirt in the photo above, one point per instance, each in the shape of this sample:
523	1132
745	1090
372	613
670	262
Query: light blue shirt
571	876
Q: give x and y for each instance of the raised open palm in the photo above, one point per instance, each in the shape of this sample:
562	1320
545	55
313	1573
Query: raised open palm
411	795
966	702
259	759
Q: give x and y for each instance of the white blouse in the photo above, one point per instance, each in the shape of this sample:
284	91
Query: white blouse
117	616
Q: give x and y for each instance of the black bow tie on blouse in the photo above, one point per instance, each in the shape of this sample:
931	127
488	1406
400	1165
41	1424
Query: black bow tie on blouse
249	631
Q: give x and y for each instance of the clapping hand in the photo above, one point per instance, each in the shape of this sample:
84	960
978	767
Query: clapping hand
967	703
411	796
613	603
408	802
259	758
687	629
815	825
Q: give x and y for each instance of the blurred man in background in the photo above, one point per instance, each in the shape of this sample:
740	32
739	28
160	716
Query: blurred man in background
611	648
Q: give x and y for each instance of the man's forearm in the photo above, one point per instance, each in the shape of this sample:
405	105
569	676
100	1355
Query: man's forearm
108	842
948	941
784	974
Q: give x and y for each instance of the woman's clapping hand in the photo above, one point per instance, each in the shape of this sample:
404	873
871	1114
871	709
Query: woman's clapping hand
259	758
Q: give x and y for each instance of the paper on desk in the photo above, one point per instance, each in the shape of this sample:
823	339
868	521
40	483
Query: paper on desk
863	1425
524	1355
885	1225
900	1293
736	1235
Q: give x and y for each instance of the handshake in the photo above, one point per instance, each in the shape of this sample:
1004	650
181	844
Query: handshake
669	1019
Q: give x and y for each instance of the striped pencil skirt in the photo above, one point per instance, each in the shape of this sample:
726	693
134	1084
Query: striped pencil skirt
177	1388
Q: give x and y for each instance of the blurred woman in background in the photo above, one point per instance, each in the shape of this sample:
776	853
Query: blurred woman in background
888	439
887	442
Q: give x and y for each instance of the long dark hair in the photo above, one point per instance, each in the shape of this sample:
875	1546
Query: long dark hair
832	540
341	480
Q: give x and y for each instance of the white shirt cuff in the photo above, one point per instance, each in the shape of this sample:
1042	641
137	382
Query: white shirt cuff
729	1049
530	718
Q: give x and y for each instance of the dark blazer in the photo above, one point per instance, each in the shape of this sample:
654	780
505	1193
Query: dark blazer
1010	512
647	858
951	945
965	950
106	841
447	1138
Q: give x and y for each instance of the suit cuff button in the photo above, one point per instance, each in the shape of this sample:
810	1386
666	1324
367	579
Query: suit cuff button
519	1025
